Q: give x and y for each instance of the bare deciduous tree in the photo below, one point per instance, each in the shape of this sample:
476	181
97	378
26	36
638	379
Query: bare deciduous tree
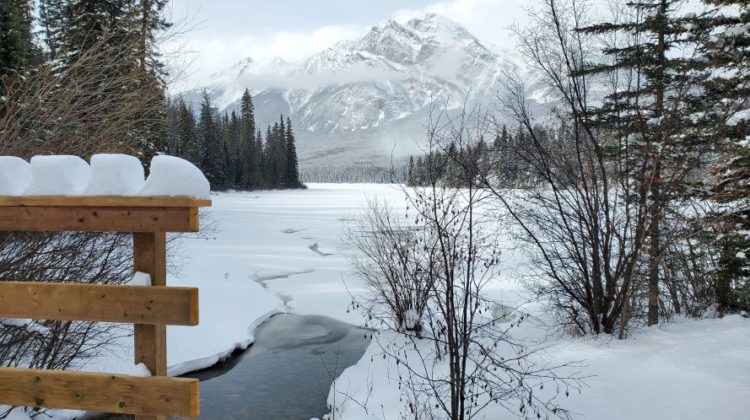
88	106
463	360
586	223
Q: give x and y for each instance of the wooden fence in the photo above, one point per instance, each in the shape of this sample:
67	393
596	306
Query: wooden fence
150	309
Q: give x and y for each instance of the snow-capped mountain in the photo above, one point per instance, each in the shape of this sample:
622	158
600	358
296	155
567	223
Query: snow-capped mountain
366	99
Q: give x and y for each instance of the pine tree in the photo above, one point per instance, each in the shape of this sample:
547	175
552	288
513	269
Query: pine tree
148	16
236	152
292	166
419	175
727	49
189	147
172	146
16	47
280	150
250	157
210	152
411	175
269	159
120	34
230	160
654	116
54	19
262	161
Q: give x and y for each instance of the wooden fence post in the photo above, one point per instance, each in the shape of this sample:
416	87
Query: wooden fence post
150	309
150	256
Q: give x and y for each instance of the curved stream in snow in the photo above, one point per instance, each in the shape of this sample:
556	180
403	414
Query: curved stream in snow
286	374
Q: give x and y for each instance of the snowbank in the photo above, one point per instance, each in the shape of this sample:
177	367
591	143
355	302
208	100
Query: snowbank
687	370
113	174
58	175
15	175
108	175
174	176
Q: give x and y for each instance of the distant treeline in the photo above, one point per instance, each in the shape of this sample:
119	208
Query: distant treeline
453	165
355	174
230	150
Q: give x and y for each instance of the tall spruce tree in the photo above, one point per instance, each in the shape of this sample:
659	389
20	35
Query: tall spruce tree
250	157
269	159
292	166
210	152
262	161
236	151
230	159
280	153
411	173
54	19
121	34
17	49
727	50
189	146
654	114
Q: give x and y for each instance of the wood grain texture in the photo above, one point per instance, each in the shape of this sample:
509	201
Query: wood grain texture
150	256
102	201
97	302
99	392
99	219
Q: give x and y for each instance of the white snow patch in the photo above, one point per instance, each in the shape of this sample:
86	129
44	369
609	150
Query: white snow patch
738	117
691	369
140	279
141	370
15	175
28	324
175	177
115	174
58	175
411	319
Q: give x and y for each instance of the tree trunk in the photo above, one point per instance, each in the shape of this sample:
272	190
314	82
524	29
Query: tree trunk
653	273
656	196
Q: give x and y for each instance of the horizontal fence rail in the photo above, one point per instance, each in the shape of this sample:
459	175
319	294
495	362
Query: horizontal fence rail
100	214
103	392
99	302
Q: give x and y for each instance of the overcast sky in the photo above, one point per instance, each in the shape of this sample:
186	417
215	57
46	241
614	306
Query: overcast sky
222	32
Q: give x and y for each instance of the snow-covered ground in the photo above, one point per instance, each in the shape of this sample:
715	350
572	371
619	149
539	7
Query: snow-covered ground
274	251
260	253
686	370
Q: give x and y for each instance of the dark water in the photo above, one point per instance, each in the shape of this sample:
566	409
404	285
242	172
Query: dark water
285	375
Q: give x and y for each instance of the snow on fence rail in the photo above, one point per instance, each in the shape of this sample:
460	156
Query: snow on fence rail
47	195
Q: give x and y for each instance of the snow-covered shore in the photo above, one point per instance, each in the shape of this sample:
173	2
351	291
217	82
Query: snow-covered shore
261	253
281	251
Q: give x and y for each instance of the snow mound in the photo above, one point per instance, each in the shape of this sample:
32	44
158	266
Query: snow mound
174	176
114	174
58	175
411	319
140	370
15	175
108	175
140	279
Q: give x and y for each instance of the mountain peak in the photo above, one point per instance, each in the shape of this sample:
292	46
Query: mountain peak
439	28
413	41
